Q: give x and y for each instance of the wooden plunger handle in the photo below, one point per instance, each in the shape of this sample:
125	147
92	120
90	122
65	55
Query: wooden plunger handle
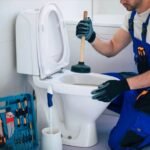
82	46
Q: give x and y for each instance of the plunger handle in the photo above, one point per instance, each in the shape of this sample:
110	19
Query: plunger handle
82	46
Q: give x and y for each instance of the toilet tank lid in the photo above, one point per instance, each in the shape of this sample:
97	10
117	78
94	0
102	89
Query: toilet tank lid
53	48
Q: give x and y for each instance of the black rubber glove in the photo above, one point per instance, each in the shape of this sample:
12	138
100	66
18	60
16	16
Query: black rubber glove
109	90
143	102
85	28
131	139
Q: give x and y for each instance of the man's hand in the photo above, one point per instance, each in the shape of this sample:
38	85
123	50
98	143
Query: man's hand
109	90
85	28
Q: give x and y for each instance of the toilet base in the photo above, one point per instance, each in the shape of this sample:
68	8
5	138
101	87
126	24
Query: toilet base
86	137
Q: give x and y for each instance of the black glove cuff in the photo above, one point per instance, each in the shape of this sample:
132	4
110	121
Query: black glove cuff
125	85
92	38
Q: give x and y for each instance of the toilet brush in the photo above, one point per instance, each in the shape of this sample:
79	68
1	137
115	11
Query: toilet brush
51	136
50	105
81	67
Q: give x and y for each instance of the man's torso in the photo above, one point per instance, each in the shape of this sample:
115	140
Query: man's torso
138	22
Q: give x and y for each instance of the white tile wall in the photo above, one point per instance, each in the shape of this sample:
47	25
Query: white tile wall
73	9
99	63
11	82
108	12
72	12
108	7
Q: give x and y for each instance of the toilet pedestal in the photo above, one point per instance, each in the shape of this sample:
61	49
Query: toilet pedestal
86	136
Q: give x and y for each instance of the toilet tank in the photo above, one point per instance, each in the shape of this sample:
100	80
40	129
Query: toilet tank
26	42
42	45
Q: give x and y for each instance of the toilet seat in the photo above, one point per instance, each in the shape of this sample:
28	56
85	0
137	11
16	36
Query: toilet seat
53	49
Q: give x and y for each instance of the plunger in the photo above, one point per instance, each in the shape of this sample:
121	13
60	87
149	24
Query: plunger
81	67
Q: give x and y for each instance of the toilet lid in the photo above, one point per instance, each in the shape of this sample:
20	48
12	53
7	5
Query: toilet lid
53	48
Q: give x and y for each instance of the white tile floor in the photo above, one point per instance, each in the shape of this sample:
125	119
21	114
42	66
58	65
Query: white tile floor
104	125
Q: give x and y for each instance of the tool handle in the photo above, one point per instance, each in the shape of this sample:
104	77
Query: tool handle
85	15
82	46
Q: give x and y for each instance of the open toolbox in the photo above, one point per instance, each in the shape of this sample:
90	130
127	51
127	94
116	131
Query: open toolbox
18	130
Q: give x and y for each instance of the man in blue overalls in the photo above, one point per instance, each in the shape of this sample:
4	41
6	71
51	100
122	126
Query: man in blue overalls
129	96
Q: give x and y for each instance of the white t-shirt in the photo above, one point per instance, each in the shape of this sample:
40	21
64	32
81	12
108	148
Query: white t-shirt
139	19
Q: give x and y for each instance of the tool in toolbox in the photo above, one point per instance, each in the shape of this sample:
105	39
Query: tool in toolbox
18	130
18	117
2	138
10	123
25	111
31	132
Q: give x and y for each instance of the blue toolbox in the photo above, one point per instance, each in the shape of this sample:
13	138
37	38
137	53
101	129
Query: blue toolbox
18	129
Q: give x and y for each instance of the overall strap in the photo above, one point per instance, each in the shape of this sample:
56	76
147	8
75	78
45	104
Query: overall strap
131	23
144	28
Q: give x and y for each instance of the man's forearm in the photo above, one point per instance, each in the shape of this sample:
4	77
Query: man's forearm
139	81
112	47
103	47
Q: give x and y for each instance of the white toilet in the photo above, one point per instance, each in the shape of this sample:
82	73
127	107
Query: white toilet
42	54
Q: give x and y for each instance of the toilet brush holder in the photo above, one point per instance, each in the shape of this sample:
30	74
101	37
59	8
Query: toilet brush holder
51	139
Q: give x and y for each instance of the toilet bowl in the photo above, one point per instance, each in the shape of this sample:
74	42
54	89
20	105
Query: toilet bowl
42	54
79	109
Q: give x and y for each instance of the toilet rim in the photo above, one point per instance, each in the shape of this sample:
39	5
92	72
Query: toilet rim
62	88
59	86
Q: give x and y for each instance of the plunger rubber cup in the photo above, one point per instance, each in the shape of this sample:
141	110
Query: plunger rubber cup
51	140
81	68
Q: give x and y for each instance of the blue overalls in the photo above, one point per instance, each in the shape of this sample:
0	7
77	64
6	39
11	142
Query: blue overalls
130	118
